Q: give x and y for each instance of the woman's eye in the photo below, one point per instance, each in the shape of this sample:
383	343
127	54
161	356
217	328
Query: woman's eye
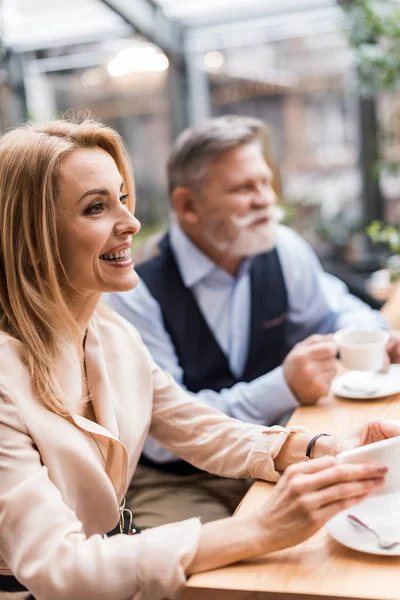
123	198
95	209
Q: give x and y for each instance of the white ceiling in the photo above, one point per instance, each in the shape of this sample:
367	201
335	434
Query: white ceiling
196	13
34	24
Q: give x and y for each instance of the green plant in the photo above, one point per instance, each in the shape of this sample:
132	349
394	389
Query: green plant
336	230
385	234
373	30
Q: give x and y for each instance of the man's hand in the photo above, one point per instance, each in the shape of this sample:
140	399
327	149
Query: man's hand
310	367
393	347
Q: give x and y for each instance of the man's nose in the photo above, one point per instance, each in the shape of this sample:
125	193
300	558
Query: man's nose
265	196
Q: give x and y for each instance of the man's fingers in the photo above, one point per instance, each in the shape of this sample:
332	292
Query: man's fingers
393	347
386	363
320	351
316	338
326	369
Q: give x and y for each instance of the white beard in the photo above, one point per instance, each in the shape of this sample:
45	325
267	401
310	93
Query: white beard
250	242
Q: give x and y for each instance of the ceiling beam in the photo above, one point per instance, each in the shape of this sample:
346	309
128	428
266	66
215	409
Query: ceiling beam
264	29
147	18
220	15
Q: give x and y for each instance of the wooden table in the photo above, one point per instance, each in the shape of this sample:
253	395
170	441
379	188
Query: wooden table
319	568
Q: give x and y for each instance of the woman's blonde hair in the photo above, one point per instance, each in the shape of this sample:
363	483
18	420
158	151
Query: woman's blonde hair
33	308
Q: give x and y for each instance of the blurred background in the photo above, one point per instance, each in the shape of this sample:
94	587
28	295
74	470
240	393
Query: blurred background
324	75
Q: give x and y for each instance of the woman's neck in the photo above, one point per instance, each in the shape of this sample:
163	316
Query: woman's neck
82	312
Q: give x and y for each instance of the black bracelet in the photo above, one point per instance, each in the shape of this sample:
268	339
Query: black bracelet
311	443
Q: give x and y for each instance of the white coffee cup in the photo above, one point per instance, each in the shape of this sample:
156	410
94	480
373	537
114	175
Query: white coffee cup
362	349
386	452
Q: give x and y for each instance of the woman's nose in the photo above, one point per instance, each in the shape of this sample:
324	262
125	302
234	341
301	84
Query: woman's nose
129	224
137	225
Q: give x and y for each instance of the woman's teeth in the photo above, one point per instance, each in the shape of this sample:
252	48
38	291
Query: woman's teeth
117	256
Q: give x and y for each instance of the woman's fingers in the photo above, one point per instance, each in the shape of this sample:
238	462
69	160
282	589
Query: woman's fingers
311	493
385	428
329	511
311	466
336	474
339	493
379	429
319	489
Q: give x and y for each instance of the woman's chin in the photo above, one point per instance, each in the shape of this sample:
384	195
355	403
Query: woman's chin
124	284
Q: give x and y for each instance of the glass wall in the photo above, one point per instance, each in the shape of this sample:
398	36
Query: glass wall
136	104
298	76
304	88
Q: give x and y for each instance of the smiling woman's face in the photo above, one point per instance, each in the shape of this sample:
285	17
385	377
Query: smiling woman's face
94	225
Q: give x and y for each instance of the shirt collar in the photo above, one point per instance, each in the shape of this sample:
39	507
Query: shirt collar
193	264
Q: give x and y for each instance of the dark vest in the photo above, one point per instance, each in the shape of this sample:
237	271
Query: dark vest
204	364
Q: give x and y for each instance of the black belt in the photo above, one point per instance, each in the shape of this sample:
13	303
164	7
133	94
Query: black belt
175	467
8	583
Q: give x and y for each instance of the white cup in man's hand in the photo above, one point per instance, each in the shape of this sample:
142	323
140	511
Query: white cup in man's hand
385	452
362	349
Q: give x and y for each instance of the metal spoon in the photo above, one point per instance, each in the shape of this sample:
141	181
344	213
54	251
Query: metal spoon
384	544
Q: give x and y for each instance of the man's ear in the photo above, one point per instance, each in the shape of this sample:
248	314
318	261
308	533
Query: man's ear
183	201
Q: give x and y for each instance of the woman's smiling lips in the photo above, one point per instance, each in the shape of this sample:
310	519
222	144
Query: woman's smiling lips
119	256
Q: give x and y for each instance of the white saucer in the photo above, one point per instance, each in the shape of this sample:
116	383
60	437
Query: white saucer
382	513
367	386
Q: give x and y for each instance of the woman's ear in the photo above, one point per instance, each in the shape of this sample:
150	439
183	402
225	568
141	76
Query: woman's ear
183	201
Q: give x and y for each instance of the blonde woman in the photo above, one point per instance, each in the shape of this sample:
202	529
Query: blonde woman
79	393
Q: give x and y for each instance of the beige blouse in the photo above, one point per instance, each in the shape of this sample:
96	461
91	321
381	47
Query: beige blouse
62	480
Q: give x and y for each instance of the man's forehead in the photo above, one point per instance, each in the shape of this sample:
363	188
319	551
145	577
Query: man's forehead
240	161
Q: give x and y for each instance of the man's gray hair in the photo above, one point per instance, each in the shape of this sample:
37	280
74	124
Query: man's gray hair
197	146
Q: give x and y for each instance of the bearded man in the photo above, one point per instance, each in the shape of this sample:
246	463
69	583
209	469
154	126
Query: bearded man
234	306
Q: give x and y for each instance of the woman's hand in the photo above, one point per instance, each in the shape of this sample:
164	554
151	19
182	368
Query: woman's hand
305	498
374	431
308	495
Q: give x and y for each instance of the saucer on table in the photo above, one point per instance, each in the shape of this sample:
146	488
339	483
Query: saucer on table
365	386
382	513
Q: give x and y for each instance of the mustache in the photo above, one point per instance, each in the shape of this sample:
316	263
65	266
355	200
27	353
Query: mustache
274	214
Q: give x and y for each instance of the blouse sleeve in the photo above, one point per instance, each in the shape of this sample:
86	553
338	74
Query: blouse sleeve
208	438
43	543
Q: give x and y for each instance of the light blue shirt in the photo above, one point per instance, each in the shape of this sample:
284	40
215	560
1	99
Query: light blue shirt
317	303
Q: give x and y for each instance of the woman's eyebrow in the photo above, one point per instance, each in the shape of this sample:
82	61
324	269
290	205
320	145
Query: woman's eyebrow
97	192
